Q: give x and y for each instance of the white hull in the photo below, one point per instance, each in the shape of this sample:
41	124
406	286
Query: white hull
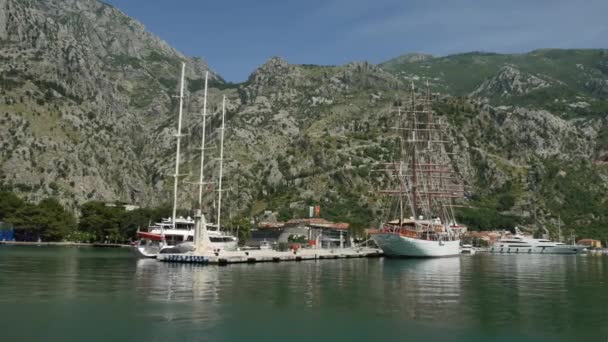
153	250
188	246
560	249
396	245
148	251
467	250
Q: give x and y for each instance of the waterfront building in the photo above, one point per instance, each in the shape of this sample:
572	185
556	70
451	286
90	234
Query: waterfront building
590	243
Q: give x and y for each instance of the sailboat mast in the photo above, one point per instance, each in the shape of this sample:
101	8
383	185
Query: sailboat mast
414	178
402	191
201	179
179	135
219	198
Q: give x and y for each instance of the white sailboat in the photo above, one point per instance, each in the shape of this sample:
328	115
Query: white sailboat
177	233
427	184
217	239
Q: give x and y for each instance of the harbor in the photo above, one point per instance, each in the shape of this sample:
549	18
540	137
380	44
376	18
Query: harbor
67	292
204	252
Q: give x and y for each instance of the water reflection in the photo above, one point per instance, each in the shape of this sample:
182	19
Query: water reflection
489	294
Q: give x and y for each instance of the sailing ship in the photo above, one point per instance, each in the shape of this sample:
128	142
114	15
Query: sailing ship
426	184
176	234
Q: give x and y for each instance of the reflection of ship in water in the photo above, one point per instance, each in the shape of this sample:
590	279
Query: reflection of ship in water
428	288
196	287
168	281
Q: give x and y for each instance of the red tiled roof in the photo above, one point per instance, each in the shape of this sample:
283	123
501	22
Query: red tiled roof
321	223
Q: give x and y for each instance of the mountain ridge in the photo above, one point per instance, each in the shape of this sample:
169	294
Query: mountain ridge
80	122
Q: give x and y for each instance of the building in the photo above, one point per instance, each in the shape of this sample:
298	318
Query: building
309	231
488	237
590	243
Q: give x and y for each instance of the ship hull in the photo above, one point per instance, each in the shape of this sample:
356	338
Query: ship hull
148	251
395	245
562	249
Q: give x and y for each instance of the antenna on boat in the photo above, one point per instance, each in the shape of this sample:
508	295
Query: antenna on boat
178	135
219	198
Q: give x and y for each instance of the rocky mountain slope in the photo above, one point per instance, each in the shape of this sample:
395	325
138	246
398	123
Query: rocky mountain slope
86	96
87	112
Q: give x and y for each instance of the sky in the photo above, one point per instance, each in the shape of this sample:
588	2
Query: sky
237	36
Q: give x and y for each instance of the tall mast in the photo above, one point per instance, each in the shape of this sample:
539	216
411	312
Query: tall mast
401	173
178	135
414	178
201	179
219	198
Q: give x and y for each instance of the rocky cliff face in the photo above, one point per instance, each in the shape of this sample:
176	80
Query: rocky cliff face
510	81
86	100
88	112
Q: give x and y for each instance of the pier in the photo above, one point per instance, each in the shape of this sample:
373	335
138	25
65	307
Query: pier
204	254
255	256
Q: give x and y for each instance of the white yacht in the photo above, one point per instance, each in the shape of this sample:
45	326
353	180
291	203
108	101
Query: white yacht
519	244
163	238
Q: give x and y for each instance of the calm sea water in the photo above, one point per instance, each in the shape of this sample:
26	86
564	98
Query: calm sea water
88	294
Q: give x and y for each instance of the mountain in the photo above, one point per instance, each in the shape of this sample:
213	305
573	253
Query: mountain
88	111
86	101
570	83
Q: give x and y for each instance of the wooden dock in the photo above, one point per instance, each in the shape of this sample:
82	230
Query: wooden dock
255	256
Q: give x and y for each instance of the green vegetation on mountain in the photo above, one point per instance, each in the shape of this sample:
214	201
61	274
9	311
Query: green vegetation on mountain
88	113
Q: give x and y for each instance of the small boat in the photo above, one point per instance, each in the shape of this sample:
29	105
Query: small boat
467	249
265	245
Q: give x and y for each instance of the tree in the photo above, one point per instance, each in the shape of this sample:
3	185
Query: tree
100	220
136	219
9	204
284	214
243	226
48	221
24	222
54	222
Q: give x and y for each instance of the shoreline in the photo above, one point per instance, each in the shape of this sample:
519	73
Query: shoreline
63	244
